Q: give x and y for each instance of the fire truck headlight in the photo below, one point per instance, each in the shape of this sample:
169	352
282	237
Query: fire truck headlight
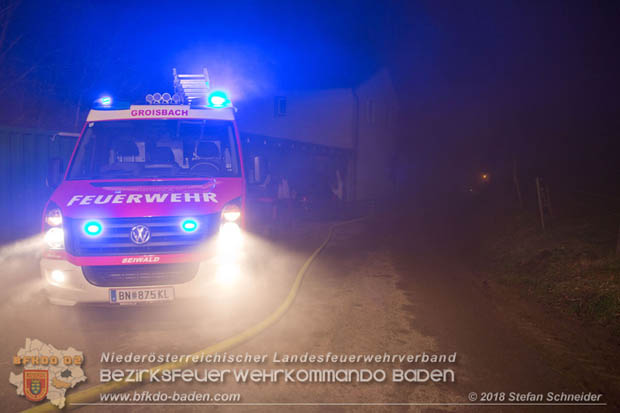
231	213
229	238
55	238
230	231
53	218
93	228
57	276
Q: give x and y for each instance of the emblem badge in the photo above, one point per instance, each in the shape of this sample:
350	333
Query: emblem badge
140	234
35	384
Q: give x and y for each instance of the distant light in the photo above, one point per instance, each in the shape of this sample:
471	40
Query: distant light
189	225
218	99
57	276
93	228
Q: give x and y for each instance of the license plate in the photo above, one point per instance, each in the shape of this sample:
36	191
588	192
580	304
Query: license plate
141	295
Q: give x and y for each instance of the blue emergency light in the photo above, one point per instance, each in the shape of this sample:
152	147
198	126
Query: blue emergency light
189	225
217	100
93	228
104	102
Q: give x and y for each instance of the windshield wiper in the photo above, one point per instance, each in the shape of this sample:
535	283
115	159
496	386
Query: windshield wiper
109	176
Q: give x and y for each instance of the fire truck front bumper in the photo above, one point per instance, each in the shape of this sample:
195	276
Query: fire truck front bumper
67	284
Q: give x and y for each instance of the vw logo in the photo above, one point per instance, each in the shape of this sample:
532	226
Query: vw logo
140	234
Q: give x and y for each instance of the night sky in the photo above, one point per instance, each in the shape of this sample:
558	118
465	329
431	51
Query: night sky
478	81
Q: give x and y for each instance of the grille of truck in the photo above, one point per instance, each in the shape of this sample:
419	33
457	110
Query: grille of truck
139	275
167	236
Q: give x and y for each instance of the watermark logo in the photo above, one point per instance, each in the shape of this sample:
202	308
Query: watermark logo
47	372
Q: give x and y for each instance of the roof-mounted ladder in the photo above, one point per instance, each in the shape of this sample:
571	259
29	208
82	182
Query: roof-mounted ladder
192	87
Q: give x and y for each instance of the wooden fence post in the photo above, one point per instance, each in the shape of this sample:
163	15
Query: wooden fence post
540	204
547	199
515	179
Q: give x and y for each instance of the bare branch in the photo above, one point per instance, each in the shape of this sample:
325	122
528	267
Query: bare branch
6	19
7	49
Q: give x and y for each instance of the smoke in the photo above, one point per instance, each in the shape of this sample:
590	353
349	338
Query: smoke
20	283
240	70
26	246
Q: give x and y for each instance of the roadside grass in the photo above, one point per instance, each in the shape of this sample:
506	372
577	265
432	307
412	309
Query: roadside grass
572	267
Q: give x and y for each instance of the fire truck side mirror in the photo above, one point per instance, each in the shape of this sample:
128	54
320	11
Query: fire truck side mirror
54	172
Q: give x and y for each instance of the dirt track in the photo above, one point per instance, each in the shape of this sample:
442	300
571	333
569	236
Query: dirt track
379	287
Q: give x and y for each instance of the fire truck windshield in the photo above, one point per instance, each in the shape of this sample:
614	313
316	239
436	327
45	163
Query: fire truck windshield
156	149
